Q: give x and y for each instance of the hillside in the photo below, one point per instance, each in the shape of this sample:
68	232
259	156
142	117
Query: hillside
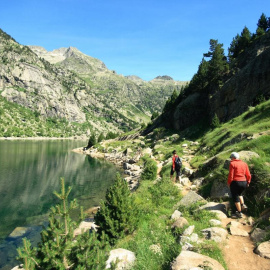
75	89
224	87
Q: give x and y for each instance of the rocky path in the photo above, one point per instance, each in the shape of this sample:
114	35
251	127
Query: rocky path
238	249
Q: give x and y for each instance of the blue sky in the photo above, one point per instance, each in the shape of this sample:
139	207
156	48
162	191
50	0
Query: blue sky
143	38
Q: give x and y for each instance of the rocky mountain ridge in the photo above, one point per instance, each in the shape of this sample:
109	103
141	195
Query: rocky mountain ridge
67	84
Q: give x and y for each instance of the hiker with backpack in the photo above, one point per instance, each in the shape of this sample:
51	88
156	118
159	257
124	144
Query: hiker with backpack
176	166
238	180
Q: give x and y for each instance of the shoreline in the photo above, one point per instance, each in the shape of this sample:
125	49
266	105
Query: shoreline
79	138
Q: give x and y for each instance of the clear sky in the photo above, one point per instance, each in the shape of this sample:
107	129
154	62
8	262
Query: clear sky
145	38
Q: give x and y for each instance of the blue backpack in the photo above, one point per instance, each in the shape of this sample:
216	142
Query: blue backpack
178	163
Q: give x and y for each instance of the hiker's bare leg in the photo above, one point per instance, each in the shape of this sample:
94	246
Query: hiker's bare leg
241	199
238	206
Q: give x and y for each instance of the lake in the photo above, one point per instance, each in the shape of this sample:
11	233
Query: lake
29	173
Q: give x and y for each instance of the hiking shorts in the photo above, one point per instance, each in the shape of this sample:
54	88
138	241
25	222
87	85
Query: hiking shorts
237	188
177	172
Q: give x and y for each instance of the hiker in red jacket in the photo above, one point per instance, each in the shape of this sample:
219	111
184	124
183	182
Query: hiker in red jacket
176	166
238	180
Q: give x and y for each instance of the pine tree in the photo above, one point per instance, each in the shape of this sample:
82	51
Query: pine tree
215	122
263	23
200	79
57	249
217	64
92	141
118	214
101	137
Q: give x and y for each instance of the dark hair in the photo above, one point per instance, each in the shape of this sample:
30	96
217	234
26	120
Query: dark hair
174	152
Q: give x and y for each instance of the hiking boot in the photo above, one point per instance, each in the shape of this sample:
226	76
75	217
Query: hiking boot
243	207
237	215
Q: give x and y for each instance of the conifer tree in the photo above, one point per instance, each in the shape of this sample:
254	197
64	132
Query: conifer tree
92	141
118	214
217	64
215	122
200	79
101	137
57	249
263	23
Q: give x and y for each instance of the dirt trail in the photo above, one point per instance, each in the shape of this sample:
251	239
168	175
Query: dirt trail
238	251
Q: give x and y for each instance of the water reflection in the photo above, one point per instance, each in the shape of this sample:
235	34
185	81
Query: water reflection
29	173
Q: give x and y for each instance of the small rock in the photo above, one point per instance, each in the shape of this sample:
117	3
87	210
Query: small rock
215	233
176	214
125	259
194	237
189	230
214	222
187	246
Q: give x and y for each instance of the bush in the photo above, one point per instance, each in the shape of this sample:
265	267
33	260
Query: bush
118	215
150	170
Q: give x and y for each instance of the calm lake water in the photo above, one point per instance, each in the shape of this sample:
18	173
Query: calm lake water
29	173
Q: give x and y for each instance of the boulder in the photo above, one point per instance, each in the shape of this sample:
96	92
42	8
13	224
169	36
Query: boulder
124	258
216	234
247	155
263	250
179	223
127	152
184	181
192	260
198	181
191	198
20	232
214	222
214	206
84	227
189	230
127	166
258	235
220	190
147	151
18	267
219	214
234	230
187	171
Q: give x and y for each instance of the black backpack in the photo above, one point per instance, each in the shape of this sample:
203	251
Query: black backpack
178	163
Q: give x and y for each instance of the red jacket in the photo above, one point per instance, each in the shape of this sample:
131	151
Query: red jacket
238	171
173	161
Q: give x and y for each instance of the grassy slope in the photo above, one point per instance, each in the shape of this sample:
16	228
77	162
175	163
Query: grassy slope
18	121
156	201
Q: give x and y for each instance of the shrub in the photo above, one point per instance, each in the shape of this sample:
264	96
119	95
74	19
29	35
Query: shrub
118	215
150	170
